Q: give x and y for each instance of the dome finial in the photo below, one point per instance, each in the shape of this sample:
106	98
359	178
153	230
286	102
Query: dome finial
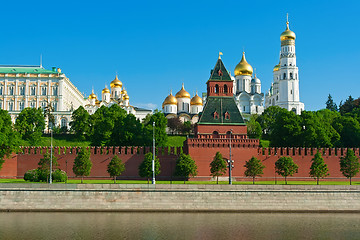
254	72
220	53
287	21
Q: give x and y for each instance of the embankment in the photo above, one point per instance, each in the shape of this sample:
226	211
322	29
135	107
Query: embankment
192	198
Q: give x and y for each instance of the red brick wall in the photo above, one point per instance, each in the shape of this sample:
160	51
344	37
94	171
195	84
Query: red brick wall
201	150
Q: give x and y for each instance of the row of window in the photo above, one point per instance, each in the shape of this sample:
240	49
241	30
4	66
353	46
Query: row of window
31	104
43	90
289	48
217	88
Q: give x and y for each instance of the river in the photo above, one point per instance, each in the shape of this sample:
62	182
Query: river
100	225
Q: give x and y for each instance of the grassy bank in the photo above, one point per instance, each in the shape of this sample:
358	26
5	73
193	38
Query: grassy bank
68	140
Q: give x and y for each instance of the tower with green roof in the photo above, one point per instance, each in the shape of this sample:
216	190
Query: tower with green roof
220	117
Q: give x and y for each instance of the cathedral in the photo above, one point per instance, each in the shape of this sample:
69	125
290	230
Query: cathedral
183	106
115	95
284	90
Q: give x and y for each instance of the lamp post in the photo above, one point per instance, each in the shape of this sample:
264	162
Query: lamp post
230	162
153	160
50	181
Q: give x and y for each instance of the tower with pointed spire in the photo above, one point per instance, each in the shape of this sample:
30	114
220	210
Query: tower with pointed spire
284	91
247	89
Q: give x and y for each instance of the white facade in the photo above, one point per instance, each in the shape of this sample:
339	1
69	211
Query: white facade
284	91
247	89
34	86
116	95
183	106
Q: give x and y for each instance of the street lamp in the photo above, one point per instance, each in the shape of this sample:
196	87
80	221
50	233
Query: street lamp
230	162
153	160
51	146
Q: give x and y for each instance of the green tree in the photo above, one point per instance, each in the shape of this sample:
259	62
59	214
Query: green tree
9	139
218	166
314	133
330	104
127	131
185	167
30	124
254	168
116	167
286	130
349	130
174	125
81	123
254	128
267	120
82	164
186	128
285	167
160	129
349	165
347	106
318	168
145	168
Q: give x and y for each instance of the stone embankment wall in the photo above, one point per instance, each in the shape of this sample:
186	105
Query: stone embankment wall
221	198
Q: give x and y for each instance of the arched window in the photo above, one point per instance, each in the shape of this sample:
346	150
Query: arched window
270	101
291	75
216	88
294	110
277	98
284	75
225	88
215	134
63	122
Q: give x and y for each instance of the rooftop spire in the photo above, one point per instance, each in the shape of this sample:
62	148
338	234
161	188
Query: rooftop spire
220	53
287	21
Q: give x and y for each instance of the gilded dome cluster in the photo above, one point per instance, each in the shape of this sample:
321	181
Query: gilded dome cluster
173	100
243	67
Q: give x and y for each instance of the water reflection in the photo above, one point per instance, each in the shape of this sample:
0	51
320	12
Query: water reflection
178	226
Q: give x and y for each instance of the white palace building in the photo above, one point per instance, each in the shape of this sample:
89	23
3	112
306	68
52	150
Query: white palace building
35	86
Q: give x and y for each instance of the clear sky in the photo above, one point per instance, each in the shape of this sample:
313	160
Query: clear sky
154	46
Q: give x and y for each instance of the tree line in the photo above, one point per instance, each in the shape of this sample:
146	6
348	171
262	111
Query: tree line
329	127
285	167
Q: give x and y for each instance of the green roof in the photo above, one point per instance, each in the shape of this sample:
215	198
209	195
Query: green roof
24	69
220	106
219	73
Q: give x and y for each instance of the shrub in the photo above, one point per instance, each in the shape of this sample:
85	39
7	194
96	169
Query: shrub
32	175
59	176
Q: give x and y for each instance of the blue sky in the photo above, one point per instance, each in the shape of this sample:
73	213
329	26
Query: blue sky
154	46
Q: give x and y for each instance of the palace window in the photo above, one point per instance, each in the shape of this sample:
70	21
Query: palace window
284	75
244	108
43	104
64	122
33	90
1	90
54	106
32	104
11	106
22	90
225	88
43	90
11	90
55	90
21	106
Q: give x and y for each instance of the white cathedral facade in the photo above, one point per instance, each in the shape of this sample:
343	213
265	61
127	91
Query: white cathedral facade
284	91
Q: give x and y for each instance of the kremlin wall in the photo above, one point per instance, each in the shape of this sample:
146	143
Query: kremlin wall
202	151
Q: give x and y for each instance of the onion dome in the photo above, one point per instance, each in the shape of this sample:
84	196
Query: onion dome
126	97
92	96
105	90
243	67
255	80
276	67
124	92
196	100
287	34
97	102
170	100
116	83
182	93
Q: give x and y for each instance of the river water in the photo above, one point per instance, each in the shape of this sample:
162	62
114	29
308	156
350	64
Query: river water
179	226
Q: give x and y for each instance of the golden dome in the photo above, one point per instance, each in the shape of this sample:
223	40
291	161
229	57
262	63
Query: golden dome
196	100
170	100
92	96
124	92
243	68
276	67
182	93
105	90
287	34
116	83
126	97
